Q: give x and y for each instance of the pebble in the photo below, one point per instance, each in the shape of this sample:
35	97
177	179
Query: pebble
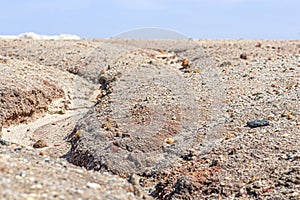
185	63
31	179
40	144
170	140
93	185
289	116
4	142
18	148
258	123
251	131
243	56
22	174
36	187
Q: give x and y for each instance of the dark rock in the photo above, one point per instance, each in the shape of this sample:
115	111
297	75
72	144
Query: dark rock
4	142
259	44
243	56
40	144
258	123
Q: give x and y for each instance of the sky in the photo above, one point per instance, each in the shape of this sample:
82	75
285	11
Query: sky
249	19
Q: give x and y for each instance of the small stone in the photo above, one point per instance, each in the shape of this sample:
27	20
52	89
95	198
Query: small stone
253	179
258	123
108	127
251	131
131	188
119	134
18	148
31	179
93	185
57	144
62	111
22	174
99	96
258	44
36	187
161	51
243	56
170	140
289	116
185	63
40	144
4	142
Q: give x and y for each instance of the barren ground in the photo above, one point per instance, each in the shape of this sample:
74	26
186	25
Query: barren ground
132	119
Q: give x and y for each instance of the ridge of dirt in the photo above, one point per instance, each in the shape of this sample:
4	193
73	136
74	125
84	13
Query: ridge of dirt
123	145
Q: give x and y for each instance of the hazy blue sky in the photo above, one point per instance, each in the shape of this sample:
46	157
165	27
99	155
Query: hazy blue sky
259	19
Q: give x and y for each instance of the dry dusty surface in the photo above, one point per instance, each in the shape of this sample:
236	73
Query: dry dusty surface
134	119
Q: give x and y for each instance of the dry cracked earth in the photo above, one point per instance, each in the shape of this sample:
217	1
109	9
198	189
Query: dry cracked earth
149	119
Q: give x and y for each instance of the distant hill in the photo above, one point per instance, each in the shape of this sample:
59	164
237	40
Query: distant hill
151	33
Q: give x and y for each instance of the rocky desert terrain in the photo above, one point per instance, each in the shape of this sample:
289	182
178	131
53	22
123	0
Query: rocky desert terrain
149	119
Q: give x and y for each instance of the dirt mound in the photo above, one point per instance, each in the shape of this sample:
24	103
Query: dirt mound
24	92
148	116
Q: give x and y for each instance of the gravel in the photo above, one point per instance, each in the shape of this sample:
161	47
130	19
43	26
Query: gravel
139	122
